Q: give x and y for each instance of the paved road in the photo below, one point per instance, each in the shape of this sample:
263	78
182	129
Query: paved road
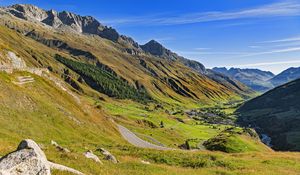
136	141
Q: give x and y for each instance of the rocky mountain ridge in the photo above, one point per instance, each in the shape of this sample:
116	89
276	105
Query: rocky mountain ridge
90	25
253	78
260	80
287	75
153	58
63	20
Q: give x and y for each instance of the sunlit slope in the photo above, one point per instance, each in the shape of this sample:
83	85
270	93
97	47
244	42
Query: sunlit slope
42	111
166	81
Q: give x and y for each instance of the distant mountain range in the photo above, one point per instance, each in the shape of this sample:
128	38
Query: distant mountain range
276	114
253	78
259	80
288	75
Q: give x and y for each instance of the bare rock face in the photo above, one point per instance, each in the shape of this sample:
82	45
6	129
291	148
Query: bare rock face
63	20
27	11
28	159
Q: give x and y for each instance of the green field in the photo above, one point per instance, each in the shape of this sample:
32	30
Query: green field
43	112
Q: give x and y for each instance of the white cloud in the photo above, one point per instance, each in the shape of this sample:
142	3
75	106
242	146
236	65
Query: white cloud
255	47
236	54
211	53
285	50
279	9
292	39
265	63
202	48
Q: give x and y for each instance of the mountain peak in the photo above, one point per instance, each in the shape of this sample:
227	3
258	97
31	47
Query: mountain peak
63	20
24	7
253	78
154	42
27	11
287	75
155	48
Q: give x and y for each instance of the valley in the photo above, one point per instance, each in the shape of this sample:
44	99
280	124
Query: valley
100	103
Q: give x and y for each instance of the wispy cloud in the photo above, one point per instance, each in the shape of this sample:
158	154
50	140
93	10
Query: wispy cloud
202	48
289	44
291	39
255	47
279	9
237	54
275	51
211	53
265	63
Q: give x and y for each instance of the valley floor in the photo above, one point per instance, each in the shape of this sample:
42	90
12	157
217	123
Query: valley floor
42	111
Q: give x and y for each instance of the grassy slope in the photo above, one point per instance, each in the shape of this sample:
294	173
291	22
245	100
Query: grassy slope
236	140
276	112
125	65
37	117
41	111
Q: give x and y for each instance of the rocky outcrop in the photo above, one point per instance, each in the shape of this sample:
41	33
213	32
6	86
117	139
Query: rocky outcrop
64	168
108	155
63	20
155	48
59	148
17	62
29	159
90	155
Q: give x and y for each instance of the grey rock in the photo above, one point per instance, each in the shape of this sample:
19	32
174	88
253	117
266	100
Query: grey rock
60	148
155	48
90	155
63	20
64	168
108	155
28	159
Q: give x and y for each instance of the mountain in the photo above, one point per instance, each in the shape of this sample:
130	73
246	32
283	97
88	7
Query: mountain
86	96
276	114
288	75
151	67
166	73
155	48
253	78
63	20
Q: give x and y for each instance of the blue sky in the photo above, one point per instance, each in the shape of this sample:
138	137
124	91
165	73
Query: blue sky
261	34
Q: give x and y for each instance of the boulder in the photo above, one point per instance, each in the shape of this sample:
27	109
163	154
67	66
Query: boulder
90	155
108	155
60	148
28	159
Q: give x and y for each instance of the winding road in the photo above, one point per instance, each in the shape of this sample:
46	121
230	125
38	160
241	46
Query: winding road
138	142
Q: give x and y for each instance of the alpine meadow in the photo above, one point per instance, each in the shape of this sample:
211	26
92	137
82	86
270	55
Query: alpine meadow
155	88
